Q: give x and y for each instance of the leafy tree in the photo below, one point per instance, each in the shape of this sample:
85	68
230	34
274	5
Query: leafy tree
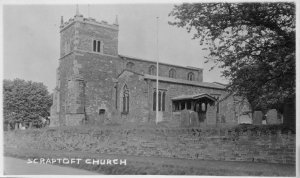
254	43
25	100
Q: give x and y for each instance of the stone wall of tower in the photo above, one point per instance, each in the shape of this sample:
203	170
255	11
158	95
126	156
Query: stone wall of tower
66	73
97	69
98	72
75	103
86	77
75	98
67	40
88	32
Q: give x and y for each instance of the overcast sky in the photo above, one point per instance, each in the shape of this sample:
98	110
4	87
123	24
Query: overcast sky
31	38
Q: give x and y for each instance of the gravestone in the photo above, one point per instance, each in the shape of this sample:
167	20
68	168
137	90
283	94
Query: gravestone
280	117
185	118
223	118
272	117
30	125
257	118
194	119
16	126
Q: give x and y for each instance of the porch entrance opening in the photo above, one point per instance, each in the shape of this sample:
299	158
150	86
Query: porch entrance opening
197	103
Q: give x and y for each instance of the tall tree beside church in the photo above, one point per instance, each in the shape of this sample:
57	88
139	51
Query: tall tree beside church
254	43
25	100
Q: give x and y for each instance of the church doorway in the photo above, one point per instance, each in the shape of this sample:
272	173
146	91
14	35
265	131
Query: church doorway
101	115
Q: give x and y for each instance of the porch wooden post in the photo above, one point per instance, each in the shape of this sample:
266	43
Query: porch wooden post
192	105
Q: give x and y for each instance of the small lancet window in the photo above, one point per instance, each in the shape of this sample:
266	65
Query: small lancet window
97	46
130	65
125	99
172	73
190	76
152	70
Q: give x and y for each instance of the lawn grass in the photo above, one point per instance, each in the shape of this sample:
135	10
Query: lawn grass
138	165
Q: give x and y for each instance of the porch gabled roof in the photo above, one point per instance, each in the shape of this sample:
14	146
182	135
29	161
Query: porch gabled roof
194	97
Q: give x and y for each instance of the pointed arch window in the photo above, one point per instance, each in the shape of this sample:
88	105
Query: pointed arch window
152	70
172	73
125	100
191	76
154	101
161	100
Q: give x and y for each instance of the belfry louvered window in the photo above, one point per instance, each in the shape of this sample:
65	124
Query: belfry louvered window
97	46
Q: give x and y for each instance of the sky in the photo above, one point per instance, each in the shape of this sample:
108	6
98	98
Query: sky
31	38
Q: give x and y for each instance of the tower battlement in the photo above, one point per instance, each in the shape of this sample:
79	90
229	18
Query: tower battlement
80	18
88	34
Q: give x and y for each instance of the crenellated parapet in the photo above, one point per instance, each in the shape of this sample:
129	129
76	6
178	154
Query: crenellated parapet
80	18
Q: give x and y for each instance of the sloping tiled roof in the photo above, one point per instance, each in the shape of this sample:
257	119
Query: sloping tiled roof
185	82
194	96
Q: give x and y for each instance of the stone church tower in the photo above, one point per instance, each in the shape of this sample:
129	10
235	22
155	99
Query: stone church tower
96	85
86	72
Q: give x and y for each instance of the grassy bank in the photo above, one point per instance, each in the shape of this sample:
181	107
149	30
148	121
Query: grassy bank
139	165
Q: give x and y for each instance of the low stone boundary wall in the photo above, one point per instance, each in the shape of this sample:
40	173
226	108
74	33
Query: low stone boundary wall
188	143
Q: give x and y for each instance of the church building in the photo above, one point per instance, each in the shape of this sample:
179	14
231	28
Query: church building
96	84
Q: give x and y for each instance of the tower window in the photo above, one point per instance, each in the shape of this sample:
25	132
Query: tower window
191	76
97	46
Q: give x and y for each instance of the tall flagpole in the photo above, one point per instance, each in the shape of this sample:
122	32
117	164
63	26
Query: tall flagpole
157	69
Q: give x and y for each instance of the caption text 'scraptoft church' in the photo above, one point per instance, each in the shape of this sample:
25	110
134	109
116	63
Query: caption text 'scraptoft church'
95	84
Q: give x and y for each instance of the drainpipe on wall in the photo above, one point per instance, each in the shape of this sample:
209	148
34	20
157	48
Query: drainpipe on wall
157	70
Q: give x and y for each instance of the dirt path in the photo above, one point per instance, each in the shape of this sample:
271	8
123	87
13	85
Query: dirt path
14	166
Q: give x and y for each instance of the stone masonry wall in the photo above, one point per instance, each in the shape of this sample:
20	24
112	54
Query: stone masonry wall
67	38
98	72
66	72
87	33
226	107
142	67
138	97
188	143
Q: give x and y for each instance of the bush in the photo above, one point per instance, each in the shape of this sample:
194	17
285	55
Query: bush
263	128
